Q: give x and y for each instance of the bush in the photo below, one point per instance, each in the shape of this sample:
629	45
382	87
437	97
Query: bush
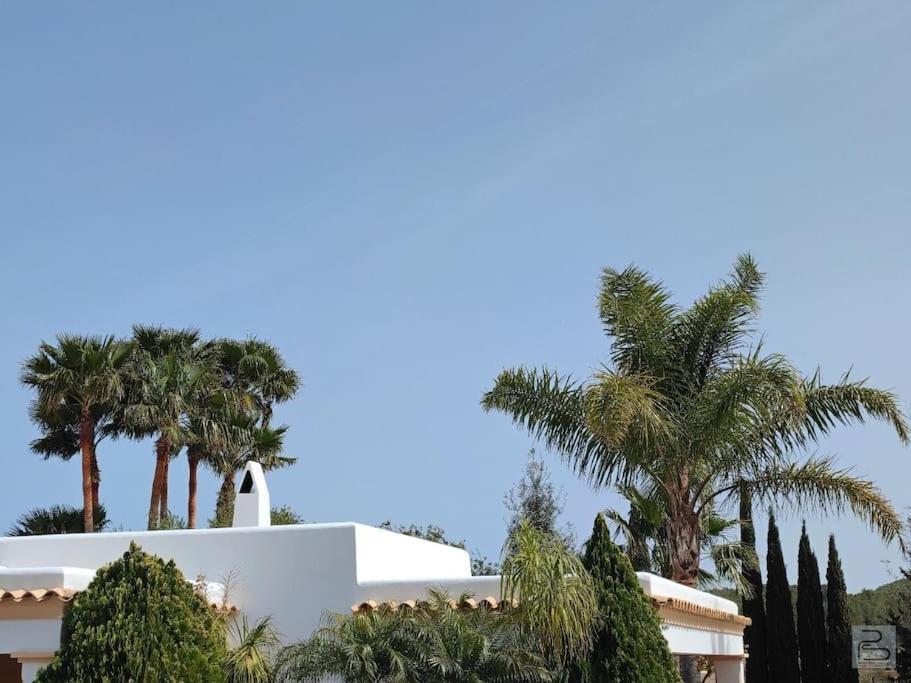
139	620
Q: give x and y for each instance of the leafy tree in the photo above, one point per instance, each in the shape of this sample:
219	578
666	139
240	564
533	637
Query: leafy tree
838	623
757	669
78	376
629	645
781	638
139	620
434	642
811	618
480	564
284	515
900	616
691	408
535	499
57	519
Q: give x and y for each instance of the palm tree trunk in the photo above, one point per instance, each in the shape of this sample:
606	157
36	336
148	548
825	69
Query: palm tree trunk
224	508
683	546
86	444
163	510
193	463
96	480
162	455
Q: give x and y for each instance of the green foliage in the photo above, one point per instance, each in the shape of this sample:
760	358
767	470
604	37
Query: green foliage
629	645
139	620
838	623
57	519
170	520
480	565
535	499
434	642
557	602
249	661
691	407
781	637
284	515
811	619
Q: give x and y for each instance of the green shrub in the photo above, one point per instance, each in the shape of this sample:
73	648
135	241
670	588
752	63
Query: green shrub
139	620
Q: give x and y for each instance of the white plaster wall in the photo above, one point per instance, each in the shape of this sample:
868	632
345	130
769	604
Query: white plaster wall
380	591
386	555
29	635
292	573
684	640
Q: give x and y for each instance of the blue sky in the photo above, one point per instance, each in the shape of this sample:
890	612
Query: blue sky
408	197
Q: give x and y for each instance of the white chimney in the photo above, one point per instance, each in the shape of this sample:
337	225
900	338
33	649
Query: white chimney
251	505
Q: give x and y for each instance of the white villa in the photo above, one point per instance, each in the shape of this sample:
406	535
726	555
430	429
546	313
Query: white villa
295	574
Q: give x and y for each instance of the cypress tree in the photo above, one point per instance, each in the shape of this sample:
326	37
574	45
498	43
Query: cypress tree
811	618
753	605
781	638
629	645
838	623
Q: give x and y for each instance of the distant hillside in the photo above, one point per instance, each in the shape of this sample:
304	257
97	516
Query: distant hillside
870	606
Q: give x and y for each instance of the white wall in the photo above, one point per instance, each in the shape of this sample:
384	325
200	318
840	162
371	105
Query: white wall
292	573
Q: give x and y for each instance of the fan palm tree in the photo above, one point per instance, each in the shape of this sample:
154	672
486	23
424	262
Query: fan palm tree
85	375
255	368
691	406
57	519
244	441
59	438
168	374
437	641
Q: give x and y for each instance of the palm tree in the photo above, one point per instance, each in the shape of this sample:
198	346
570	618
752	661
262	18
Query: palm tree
644	532
255	368
691	407
168	374
59	438
557	602
244	441
79	373
57	519
436	641
250	660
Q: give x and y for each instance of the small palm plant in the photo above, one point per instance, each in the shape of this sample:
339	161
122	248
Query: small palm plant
57	519
250	659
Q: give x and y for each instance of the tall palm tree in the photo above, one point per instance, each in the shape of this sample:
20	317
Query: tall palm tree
244	441
59	438
691	407
168	374
85	373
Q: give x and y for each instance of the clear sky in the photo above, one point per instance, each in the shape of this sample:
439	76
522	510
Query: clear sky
408	197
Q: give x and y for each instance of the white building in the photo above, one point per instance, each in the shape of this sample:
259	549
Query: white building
295	574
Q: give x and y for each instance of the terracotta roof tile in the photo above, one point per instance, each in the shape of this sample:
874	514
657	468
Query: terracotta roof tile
38	594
